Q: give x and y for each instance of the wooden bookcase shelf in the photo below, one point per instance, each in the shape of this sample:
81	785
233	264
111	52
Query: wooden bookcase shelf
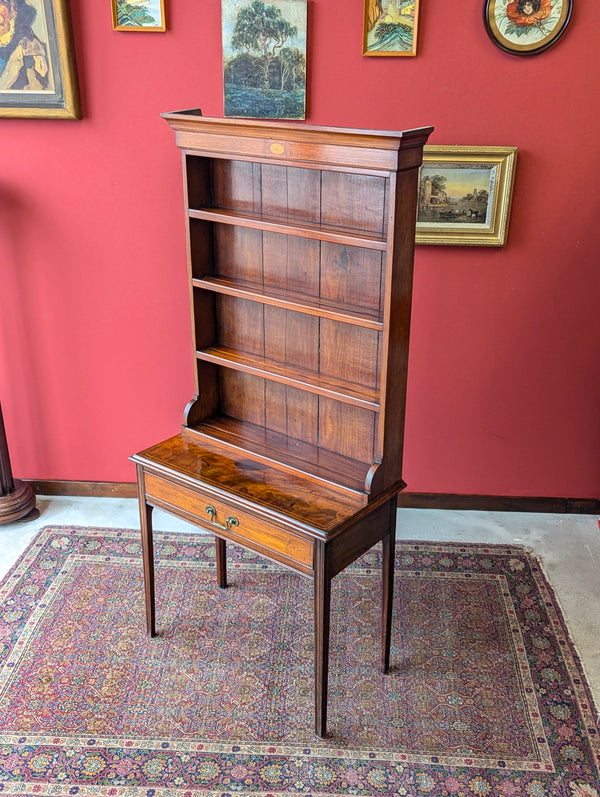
286	453
274	225
290	300
300	256
292	375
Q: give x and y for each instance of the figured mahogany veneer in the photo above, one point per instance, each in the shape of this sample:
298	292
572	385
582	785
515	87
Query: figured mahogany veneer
300	252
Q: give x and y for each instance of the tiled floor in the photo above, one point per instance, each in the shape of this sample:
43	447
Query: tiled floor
568	546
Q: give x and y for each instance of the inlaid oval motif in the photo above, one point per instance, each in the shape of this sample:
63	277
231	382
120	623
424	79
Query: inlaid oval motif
277	149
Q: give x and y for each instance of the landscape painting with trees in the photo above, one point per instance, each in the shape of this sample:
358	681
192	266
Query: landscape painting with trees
264	58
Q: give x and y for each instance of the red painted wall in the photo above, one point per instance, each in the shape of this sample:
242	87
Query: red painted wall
95	359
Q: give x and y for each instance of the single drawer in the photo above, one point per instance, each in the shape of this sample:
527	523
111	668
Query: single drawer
229	522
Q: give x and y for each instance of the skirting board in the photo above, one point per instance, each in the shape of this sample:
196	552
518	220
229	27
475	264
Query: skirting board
485	503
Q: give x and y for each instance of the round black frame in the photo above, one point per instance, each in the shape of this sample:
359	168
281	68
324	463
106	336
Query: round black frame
509	47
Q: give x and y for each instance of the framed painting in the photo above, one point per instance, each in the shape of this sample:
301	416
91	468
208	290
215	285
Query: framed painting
147	16
38	77
264	58
390	27
465	195
526	27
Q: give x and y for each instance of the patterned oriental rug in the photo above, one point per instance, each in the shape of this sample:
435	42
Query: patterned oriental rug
486	696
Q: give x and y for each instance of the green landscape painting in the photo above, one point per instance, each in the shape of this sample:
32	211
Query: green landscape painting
264	58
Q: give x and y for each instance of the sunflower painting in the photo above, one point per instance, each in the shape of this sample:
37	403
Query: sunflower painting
526	27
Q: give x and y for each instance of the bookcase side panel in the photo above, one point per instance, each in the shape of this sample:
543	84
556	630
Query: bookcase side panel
201	248
207	401
205	327
198	180
397	315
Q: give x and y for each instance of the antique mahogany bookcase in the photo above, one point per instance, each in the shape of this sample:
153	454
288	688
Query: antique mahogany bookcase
300	259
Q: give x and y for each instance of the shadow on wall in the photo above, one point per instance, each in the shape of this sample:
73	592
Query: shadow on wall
19	352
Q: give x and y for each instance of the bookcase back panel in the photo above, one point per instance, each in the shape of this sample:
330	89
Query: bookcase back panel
292	412
351	276
240	325
291	193
291	264
323	423
237	253
354	201
349	353
331	349
346	430
329	198
271	190
235	185
337	274
291	338
243	396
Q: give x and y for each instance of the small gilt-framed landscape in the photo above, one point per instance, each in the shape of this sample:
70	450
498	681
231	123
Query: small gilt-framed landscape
390	27
38	76
146	16
465	195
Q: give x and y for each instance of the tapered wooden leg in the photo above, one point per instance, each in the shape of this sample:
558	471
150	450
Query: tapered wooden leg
387	583
322	599
147	555
221	562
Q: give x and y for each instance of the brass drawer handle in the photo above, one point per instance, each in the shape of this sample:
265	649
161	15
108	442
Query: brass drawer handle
230	521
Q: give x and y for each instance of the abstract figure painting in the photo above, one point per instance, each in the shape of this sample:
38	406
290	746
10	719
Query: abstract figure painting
526	27
264	58
37	66
390	27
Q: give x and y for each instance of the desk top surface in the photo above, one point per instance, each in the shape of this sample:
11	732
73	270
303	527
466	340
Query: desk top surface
291	495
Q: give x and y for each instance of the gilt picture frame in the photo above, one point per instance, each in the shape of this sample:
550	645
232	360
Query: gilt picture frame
526	27
145	16
390	27
38	75
465	195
